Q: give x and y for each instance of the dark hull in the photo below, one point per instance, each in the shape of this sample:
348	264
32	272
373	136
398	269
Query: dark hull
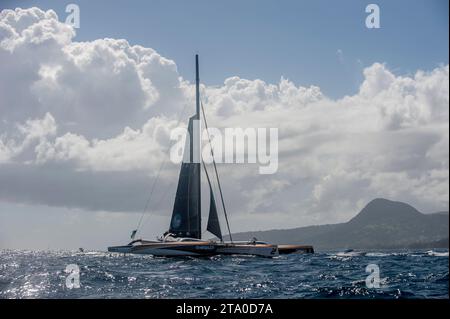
197	249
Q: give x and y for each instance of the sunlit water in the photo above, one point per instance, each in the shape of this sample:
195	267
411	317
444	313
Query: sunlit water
41	274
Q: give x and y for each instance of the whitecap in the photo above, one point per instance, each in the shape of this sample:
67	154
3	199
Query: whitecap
377	255
437	253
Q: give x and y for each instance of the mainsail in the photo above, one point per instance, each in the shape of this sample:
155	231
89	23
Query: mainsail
186	214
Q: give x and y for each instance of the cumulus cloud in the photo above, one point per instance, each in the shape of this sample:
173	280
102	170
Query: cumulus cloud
87	124
94	88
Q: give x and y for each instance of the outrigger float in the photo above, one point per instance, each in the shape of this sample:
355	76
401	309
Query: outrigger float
184	237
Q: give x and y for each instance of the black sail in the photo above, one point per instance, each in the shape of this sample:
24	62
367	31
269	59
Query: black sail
213	219
186	214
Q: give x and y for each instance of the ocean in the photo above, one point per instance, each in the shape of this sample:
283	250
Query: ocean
392	275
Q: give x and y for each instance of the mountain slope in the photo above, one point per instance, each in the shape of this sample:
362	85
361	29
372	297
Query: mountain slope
380	224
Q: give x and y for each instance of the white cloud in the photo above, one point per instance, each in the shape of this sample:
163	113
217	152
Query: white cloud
141	149
94	88
89	118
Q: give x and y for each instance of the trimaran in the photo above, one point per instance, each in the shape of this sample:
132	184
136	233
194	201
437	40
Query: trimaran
184	237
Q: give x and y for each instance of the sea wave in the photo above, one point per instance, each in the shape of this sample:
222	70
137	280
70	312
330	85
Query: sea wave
42	274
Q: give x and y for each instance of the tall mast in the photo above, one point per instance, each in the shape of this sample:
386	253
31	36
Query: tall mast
197	89
197	117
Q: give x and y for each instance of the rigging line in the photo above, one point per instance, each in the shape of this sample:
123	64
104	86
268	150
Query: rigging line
150	196
144	220
217	174
158	204
158	174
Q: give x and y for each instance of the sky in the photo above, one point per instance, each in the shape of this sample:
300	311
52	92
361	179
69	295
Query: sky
86	113
266	40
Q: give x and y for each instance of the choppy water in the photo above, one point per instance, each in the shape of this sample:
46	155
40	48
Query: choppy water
41	274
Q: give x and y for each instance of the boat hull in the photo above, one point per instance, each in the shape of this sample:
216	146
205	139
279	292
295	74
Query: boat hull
168	249
197	249
262	250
